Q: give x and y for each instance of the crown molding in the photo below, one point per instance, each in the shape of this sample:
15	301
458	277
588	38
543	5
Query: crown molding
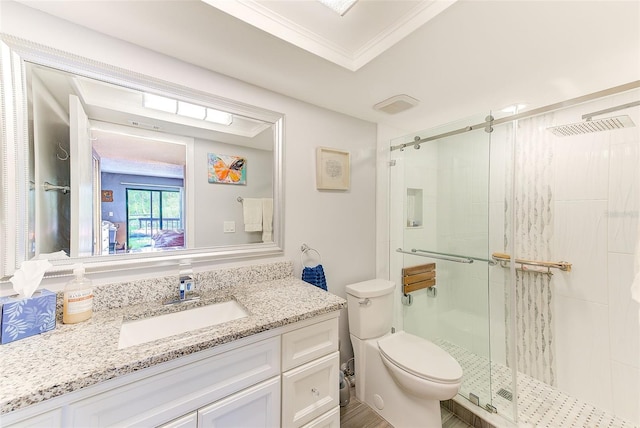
260	16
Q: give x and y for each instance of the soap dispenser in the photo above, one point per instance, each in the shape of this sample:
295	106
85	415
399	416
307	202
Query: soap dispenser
78	298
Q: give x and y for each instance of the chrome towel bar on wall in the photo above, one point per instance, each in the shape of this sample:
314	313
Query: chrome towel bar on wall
49	187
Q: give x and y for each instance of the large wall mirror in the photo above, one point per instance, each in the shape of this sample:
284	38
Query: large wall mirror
113	168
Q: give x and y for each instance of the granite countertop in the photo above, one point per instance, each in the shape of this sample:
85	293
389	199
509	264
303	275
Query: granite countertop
75	356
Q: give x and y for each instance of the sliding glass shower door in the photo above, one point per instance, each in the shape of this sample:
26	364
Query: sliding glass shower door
516	246
440	219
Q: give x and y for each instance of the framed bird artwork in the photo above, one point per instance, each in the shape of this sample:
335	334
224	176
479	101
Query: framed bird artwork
227	169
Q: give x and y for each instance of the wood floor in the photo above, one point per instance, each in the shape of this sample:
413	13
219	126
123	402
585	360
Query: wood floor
359	415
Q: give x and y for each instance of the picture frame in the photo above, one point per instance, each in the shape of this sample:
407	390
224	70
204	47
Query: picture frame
226	169
107	196
332	169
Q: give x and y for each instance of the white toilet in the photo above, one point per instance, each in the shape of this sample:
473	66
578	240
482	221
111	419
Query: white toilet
401	376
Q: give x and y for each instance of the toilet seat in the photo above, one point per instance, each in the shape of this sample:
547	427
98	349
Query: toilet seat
420	357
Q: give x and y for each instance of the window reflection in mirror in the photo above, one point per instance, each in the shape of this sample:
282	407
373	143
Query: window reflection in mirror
116	171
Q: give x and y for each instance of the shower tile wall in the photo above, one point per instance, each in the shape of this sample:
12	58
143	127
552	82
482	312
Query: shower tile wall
533	206
596	200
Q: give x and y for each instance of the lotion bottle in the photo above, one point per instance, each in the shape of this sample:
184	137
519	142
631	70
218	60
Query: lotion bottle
78	298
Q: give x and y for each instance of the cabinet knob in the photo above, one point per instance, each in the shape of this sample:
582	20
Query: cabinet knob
315	392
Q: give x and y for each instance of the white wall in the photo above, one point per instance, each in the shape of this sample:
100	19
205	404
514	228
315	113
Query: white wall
217	203
339	224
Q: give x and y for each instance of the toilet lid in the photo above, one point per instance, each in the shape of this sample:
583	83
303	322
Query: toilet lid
420	357
371	288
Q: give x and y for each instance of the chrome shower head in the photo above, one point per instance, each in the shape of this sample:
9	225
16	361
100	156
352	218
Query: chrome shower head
589	126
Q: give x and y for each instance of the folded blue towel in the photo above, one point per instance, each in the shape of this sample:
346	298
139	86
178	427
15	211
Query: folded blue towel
315	276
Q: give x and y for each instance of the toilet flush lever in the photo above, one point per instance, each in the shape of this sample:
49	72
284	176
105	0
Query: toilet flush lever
365	302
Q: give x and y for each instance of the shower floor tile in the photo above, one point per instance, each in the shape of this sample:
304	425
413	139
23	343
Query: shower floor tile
539	405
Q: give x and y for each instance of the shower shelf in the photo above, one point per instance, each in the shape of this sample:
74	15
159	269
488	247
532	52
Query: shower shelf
531	265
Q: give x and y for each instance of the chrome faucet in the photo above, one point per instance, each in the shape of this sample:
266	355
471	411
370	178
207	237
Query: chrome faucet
186	287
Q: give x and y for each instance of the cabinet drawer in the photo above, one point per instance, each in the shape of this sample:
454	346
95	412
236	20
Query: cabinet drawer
173	393
331	419
186	421
308	343
255	407
51	419
310	390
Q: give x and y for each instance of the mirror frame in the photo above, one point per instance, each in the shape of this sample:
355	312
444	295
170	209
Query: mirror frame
14	158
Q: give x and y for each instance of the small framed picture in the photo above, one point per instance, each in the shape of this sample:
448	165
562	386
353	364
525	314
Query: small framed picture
107	196
226	169
332	169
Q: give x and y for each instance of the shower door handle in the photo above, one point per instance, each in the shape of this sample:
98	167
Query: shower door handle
444	256
439	256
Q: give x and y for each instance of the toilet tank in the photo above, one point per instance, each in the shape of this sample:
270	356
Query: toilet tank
370	308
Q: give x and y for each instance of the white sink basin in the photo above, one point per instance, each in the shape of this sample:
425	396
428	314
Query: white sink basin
146	330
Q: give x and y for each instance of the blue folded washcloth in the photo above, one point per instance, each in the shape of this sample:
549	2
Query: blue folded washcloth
315	276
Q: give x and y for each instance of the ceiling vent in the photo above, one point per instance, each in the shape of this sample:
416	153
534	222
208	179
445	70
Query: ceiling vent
396	104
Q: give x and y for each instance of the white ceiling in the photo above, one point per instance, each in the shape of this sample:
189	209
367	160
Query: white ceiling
472	56
369	27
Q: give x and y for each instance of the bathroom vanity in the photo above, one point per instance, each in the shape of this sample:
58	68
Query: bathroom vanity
277	366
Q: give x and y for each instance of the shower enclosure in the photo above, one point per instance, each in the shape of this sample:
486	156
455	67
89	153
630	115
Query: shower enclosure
531	229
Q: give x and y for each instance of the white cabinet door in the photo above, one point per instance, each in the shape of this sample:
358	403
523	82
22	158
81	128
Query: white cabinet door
310	390
165	396
187	421
255	407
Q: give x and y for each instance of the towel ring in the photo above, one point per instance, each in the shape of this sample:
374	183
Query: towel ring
305	249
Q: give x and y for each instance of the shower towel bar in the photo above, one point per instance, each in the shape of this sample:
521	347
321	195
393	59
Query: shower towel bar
444	256
505	259
49	187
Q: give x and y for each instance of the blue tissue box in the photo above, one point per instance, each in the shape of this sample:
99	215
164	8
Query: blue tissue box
27	317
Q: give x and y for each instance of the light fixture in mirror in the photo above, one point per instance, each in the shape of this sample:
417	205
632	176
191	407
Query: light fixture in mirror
157	102
133	152
191	110
217	116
